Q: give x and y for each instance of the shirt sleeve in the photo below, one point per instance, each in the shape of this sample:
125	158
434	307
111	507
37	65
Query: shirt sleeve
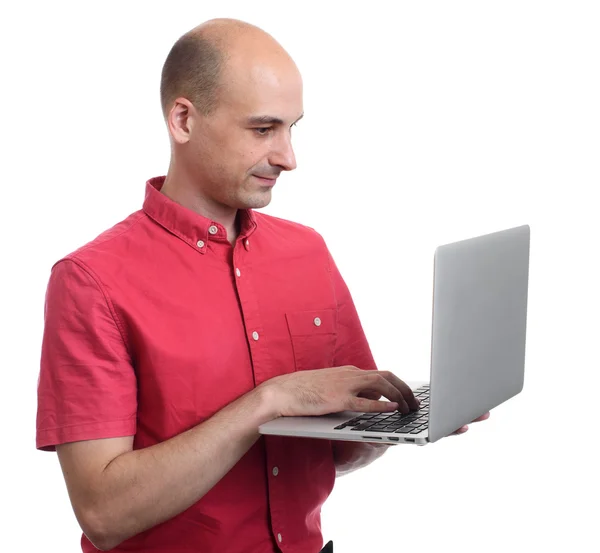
351	346
87	387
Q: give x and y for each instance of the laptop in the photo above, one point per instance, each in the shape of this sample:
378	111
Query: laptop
480	288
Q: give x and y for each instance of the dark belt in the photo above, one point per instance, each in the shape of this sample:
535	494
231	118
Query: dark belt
327	548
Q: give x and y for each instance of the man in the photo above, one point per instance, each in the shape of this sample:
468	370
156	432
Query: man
173	335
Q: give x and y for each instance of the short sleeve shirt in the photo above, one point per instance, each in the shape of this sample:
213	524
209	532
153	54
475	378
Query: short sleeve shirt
160	322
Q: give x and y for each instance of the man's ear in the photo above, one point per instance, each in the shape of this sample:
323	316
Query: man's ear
181	120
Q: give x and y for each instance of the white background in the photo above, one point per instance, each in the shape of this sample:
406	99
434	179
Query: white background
426	122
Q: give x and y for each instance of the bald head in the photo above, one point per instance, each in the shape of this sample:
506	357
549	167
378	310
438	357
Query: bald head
230	97
214	56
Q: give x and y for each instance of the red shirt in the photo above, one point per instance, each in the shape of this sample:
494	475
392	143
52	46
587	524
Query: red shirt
159	323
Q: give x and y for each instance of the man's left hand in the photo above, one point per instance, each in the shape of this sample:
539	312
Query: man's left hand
464	428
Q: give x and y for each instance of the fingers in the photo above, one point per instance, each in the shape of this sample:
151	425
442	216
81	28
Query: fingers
372	406
370	394
376	382
464	428
483	417
407	393
391	387
461	430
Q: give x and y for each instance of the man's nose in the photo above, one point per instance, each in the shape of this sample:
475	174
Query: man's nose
283	154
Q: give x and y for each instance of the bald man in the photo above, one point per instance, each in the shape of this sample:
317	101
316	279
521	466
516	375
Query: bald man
173	335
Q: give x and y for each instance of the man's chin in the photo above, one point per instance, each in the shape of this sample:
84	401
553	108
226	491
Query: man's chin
256	201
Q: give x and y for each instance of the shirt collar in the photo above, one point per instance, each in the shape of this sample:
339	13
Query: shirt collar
188	225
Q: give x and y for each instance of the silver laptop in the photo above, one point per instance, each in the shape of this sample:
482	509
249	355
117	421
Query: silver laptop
480	290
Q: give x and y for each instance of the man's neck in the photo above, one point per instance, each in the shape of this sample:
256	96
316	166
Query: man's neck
189	196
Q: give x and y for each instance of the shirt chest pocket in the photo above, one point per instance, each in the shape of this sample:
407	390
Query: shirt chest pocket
313	335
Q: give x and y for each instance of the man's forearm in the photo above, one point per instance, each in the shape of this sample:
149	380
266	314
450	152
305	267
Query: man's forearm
350	456
145	487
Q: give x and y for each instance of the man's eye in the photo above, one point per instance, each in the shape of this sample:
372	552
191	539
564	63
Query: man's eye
263	131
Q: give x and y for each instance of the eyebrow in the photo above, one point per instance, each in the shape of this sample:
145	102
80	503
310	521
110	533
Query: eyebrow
267	120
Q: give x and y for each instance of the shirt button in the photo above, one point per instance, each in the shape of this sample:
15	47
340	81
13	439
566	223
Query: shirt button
275	471
255	335
279	538
317	321
247	244
237	272
200	244
213	230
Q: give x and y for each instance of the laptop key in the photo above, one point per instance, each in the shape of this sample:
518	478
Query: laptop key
361	426
359	420
378	430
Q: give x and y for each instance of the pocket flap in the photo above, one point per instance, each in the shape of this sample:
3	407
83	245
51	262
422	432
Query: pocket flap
307	323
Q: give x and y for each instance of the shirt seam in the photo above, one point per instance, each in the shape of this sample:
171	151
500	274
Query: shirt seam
337	305
332	444
84	424
83	266
108	239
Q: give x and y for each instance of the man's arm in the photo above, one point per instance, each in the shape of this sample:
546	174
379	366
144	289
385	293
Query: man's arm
117	493
350	456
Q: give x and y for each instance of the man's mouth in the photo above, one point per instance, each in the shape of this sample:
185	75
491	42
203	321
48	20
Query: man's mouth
266	180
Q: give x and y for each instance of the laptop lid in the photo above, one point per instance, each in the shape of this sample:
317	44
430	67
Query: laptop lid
478	327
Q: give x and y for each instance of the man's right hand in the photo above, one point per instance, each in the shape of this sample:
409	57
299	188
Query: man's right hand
324	391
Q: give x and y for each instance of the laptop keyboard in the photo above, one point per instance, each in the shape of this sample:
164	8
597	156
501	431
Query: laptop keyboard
397	423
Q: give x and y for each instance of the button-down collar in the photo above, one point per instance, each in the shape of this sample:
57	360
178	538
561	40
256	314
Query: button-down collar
191	227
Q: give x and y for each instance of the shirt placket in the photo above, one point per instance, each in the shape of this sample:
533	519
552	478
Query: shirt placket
276	476
258	341
263	370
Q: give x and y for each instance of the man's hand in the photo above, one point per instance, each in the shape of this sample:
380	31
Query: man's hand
336	389
464	428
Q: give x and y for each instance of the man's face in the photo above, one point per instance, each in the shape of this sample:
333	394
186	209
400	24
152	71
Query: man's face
248	136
